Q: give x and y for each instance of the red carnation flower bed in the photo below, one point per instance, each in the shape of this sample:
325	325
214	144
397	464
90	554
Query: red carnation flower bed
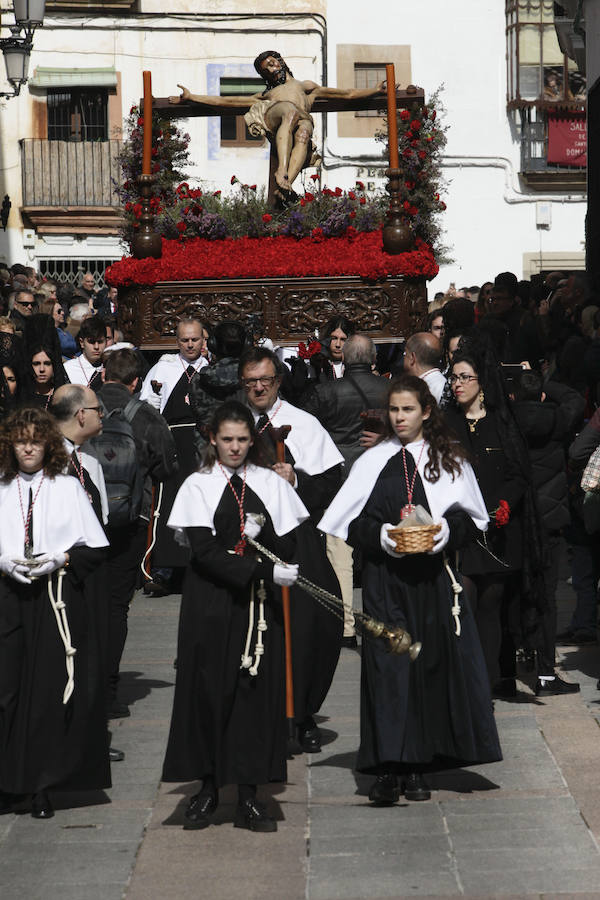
358	253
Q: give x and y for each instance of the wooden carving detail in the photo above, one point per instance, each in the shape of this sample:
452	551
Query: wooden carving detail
300	312
291	308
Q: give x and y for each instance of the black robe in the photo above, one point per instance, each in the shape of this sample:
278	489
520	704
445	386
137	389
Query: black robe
180	418
316	632
43	743
434	713
226	722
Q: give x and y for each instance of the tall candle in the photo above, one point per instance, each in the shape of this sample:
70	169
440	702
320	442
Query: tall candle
390	76
147	115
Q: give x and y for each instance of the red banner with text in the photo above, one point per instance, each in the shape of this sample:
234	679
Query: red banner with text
567	141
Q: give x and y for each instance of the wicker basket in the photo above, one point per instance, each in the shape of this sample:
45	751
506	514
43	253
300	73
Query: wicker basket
414	538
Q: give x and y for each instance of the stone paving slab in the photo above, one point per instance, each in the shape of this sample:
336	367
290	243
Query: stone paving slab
515	830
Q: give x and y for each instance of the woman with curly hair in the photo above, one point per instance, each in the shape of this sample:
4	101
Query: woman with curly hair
53	733
436	712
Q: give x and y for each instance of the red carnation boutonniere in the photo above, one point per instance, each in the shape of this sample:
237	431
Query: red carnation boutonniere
502	514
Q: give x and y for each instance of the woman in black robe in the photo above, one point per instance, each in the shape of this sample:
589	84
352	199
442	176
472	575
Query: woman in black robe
493	566
53	733
228	724
436	712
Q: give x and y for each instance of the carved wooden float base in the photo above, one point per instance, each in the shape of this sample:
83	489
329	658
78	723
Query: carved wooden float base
291	307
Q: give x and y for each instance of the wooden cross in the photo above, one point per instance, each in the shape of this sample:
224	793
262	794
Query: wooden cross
404	99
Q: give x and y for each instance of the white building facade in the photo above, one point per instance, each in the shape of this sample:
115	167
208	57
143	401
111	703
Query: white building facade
59	138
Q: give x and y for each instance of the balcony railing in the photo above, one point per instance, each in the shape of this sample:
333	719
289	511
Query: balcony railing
71	174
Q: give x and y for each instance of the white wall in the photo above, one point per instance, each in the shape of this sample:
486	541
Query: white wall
491	217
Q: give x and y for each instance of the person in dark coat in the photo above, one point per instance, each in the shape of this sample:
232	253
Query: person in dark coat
53	733
548	419
338	405
491	566
156	456
228	724
436	712
585	542
218	381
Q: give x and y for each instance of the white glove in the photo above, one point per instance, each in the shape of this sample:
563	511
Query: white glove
441	538
387	543
15	569
253	527
285	575
47	563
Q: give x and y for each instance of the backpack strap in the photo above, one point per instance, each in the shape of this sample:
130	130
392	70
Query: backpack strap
132	409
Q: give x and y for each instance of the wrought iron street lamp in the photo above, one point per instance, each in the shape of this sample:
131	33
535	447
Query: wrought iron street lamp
16	49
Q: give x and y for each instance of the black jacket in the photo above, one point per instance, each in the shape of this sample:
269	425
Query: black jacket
338	405
157	455
208	389
547	427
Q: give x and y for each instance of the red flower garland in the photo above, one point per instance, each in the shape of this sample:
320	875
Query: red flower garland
358	253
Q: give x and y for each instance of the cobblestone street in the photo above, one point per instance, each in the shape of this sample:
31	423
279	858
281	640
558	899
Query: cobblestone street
528	826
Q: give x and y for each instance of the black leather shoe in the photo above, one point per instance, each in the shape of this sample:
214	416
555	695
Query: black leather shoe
199	812
252	815
555	687
157	588
384	790
118	711
116	755
310	740
41	808
415	788
6	803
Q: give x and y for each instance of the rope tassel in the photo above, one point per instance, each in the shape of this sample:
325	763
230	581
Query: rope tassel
261	627
457	588
60	613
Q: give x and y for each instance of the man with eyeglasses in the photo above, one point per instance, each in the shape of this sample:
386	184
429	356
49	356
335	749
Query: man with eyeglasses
313	466
22	306
167	388
78	413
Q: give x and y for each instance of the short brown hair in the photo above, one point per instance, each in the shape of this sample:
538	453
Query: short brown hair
36	421
121	365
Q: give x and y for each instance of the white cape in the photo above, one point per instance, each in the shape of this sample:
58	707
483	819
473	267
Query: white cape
62	516
199	496
311	446
167	372
462	491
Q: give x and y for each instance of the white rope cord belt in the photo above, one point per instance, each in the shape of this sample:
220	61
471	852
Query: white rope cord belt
60	612
155	518
457	588
261	627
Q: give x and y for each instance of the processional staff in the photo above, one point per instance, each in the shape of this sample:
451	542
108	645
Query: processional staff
279	435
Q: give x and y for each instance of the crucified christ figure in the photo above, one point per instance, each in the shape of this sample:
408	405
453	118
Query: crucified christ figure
281	112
